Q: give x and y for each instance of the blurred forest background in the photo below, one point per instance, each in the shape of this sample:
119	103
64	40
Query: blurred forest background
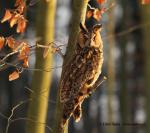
123	98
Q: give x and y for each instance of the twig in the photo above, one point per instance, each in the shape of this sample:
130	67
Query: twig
4	64
12	113
31	120
33	69
26	119
128	30
10	120
8	55
50	101
97	84
58	49
5	117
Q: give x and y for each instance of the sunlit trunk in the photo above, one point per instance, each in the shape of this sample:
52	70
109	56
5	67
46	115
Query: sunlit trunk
41	80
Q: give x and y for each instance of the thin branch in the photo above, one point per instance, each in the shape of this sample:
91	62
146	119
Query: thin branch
5	64
12	113
31	120
30	90
10	120
2	115
32	69
26	119
97	84
46	70
127	31
8	55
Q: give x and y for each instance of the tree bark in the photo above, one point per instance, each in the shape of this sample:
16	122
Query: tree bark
124	92
111	72
78	15
41	80
146	41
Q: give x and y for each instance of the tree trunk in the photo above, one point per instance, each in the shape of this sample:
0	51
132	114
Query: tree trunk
124	92
111	72
41	79
78	15
146	40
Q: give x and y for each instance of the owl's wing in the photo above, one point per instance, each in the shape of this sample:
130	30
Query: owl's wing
78	72
72	79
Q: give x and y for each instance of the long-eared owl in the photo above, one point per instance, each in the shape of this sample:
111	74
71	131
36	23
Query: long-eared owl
81	72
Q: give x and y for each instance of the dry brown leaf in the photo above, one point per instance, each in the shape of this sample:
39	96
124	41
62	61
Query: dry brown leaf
101	1
2	40
97	14
18	2
55	49
7	16
24	52
14	20
11	42
21	8
145	1
25	62
46	51
13	76
18	46
21	25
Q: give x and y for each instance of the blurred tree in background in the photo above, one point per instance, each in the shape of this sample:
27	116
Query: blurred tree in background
111	70
41	80
124	97
146	41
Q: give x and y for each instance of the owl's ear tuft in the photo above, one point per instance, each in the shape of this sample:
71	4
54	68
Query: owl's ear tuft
97	27
83	28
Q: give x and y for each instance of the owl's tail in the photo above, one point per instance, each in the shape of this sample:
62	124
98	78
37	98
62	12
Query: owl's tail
71	108
77	114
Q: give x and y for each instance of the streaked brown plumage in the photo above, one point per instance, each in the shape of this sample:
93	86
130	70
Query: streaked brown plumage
81	72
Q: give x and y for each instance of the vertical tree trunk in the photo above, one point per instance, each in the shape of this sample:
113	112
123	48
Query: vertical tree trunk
78	15
41	79
124	94
146	40
123	88
111	72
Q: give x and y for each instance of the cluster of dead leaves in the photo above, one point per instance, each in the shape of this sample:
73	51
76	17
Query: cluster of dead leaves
16	17
21	48
14	75
101	1
97	13
145	2
52	49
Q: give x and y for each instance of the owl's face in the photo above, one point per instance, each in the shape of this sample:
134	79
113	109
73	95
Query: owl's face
90	38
